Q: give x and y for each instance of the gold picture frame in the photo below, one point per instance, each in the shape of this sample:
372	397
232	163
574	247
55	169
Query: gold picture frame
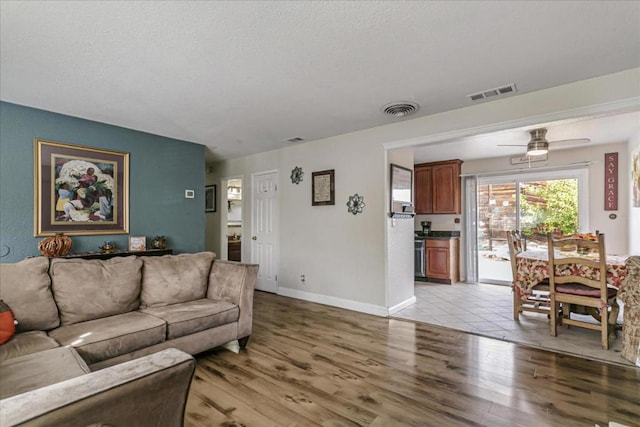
323	188
80	190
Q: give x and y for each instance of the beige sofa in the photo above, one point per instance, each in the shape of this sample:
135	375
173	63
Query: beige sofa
79	316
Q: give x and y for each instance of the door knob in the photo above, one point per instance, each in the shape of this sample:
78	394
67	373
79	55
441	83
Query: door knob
254	238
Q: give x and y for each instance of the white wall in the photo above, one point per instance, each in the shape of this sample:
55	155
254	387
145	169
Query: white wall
341	255
344	256
400	248
634	212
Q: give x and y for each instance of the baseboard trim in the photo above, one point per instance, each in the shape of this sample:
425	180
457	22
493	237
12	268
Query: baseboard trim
396	308
334	301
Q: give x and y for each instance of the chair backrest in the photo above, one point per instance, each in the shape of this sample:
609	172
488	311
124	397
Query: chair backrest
517	244
539	239
596	258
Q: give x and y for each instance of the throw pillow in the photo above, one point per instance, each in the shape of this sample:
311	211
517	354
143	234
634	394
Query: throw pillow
7	323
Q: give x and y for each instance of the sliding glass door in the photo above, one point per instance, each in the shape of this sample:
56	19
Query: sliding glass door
497	213
553	201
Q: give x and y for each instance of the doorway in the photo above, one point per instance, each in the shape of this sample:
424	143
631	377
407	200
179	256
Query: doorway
550	202
234	219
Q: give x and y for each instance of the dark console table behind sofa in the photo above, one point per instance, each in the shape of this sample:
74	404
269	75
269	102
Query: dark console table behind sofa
107	255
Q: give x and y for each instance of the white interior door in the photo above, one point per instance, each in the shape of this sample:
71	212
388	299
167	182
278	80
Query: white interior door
264	225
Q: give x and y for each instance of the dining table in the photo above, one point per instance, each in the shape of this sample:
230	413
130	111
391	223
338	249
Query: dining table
532	267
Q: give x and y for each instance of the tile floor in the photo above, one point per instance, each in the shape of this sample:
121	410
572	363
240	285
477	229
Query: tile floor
488	310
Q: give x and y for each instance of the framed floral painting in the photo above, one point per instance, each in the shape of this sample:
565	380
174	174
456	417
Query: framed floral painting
80	190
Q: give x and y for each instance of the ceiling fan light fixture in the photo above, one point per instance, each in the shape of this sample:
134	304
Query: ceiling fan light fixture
537	148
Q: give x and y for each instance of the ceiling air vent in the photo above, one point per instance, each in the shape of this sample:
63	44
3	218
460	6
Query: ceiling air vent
503	90
400	108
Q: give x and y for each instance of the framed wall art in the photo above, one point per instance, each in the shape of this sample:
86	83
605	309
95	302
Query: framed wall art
80	190
210	198
401	189
137	243
323	188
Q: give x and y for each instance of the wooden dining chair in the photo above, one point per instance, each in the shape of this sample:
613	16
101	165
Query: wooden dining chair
537	299
580	280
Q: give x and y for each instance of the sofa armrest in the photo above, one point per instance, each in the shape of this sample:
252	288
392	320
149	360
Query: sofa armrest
148	391
234	282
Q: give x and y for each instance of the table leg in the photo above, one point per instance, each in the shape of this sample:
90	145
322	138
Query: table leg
613	318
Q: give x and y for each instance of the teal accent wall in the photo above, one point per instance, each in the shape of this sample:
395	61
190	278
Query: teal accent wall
161	169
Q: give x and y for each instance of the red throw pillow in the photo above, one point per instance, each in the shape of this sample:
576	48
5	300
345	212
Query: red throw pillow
7	323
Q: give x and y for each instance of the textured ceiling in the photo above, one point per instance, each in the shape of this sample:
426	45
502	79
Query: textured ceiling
241	77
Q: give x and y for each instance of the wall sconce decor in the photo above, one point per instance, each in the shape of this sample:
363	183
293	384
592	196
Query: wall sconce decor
355	205
296	175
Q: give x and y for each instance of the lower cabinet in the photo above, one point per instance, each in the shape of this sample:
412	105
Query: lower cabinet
234	249
442	260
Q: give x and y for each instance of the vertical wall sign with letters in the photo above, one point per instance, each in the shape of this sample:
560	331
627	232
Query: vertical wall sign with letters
611	181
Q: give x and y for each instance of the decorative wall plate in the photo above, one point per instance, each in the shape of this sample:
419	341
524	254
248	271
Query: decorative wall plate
296	175
355	205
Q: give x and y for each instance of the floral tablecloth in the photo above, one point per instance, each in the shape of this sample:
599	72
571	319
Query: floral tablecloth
533	266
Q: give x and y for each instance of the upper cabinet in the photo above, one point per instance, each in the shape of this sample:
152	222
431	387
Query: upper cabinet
437	187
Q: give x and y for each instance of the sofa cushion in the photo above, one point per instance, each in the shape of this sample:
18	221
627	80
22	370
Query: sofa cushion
194	316
101	339
224	279
36	370
26	287
26	343
92	289
172	279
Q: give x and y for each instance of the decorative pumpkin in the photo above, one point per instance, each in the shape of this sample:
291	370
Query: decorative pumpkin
7	323
58	245
159	242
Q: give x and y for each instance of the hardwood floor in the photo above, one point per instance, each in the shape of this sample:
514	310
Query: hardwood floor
308	364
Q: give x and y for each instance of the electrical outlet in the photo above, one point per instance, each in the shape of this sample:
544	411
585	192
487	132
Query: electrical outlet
303	278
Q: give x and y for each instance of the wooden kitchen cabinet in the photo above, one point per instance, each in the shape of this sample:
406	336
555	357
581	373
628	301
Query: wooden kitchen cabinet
234	249
423	186
442	256
437	187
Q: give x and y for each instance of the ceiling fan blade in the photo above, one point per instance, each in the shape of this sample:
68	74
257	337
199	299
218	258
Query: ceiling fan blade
511	145
571	141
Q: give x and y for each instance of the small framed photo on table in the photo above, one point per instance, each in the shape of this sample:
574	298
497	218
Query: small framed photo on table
137	243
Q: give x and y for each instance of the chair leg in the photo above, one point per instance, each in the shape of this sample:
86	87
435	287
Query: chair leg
553	312
604	331
516	304
613	317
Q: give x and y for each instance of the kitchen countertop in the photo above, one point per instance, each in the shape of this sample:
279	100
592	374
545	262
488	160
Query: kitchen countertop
439	235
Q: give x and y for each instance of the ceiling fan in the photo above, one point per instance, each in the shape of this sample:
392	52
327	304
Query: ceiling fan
538	144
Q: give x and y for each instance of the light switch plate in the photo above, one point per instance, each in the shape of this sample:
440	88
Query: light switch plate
189	194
